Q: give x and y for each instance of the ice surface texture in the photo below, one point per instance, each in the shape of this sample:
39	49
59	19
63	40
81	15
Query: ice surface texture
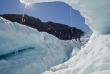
24	50
95	12
14	37
93	58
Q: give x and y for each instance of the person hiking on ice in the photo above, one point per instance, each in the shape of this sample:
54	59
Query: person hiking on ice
50	29
56	33
76	36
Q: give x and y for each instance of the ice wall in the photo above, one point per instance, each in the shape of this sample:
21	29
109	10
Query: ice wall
14	37
93	58
95	12
24	50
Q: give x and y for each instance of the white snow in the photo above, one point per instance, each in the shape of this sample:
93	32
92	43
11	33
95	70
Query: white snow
93	58
14	37
24	50
43	50
95	12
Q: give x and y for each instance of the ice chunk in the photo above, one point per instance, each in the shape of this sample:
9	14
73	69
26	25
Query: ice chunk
14	37
91	59
24	50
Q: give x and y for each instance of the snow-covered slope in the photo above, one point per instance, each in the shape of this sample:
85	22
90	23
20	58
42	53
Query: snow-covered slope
91	59
24	50
14	37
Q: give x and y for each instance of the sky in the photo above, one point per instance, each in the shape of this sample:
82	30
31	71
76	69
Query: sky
58	12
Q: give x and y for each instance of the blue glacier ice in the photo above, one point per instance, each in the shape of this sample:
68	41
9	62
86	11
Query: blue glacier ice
93	58
24	50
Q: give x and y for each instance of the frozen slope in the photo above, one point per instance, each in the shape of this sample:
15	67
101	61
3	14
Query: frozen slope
24	50
14	37
95	12
91	59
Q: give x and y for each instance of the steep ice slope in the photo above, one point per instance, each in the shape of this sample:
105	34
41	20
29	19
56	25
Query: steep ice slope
24	50
14	37
94	56
91	59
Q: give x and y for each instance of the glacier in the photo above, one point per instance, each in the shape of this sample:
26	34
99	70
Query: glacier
25	50
93	58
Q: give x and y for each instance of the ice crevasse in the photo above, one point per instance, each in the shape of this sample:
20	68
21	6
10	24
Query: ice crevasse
93	58
24	50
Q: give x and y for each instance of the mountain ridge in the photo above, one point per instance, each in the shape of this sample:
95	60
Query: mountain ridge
39	25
